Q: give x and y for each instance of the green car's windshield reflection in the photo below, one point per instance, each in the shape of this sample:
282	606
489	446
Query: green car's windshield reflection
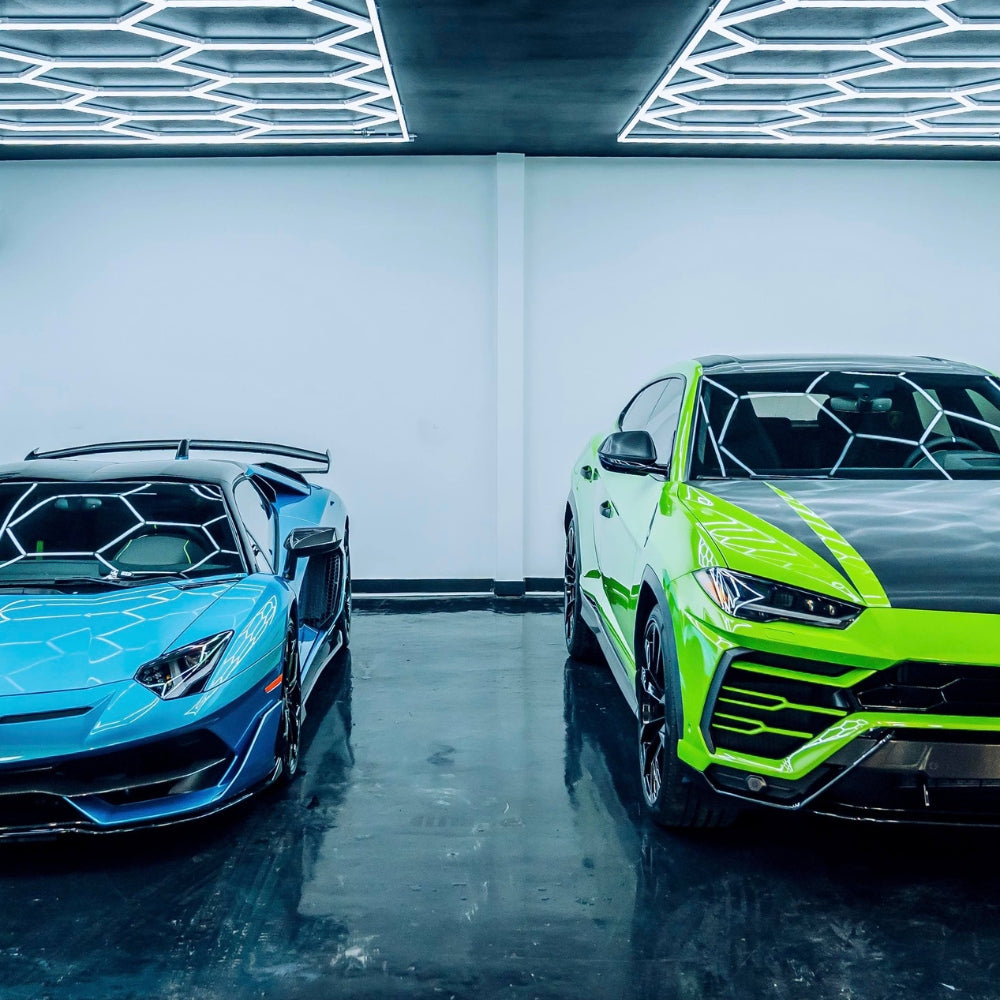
848	424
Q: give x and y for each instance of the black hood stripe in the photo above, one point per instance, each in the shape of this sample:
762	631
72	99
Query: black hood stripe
931	544
757	498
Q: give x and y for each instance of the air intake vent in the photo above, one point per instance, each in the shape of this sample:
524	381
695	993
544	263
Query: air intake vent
933	688
770	714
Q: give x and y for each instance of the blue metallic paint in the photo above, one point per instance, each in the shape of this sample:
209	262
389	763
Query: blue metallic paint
78	654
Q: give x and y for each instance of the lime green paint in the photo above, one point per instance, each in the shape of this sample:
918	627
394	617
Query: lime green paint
776	702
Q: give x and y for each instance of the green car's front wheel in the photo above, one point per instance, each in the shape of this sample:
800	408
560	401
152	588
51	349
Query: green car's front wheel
672	799
580	641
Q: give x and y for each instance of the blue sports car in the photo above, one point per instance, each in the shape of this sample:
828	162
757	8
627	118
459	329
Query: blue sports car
161	625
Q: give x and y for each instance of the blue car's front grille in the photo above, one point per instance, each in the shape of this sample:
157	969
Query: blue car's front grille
180	763
28	810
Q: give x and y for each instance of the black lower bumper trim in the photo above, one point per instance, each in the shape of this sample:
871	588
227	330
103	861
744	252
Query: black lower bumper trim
951	779
902	777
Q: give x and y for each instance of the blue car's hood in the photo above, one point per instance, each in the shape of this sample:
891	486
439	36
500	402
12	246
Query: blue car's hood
61	642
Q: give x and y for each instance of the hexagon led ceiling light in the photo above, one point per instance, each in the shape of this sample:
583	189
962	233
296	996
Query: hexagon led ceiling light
195	71
832	72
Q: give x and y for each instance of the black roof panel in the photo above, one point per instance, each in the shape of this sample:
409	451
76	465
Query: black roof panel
720	364
75	470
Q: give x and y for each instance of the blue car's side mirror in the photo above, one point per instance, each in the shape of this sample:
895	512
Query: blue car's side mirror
304	542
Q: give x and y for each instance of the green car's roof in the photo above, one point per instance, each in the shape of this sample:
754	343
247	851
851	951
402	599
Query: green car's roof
720	363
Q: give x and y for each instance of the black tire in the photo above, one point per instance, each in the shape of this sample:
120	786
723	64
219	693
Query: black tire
580	641
288	748
673	798
344	623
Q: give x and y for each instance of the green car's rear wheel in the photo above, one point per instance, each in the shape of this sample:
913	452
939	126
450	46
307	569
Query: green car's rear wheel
671	797
580	641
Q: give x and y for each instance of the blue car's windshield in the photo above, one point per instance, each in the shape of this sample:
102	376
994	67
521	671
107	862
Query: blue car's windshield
111	532
904	425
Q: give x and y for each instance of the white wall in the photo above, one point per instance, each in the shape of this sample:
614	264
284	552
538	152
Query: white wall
323	302
354	303
633	264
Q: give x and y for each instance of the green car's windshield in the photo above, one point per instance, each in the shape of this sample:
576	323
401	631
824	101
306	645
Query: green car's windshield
906	425
111	532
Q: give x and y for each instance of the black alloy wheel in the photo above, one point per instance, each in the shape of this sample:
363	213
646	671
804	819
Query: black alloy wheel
345	615
290	726
580	641
674	798
652	714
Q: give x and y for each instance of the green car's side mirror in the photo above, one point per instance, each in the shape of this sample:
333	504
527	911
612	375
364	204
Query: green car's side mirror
628	451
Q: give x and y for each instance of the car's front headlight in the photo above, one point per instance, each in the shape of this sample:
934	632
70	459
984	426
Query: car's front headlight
759	600
185	670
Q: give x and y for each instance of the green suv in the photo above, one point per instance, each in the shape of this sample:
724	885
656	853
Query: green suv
792	566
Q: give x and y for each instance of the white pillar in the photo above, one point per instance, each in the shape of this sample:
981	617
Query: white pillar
509	574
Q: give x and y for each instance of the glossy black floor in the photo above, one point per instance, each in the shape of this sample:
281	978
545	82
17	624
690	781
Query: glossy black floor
468	826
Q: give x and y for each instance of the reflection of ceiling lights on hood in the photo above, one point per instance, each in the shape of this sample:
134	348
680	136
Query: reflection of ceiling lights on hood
195	71
834	72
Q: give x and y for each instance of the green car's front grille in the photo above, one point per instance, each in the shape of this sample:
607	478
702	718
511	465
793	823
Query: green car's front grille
768	715
770	706
938	688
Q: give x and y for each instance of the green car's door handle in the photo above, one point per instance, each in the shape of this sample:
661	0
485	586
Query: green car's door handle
607	510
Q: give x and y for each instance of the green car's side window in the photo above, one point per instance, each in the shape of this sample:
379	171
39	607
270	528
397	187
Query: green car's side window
662	423
640	408
656	410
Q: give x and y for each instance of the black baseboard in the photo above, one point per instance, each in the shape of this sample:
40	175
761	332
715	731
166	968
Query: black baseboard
457	585
460	594
460	585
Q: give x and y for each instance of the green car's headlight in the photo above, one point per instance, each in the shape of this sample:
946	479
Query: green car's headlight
759	600
185	670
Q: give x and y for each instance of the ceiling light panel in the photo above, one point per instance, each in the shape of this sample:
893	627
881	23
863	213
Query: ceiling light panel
187	72
832	72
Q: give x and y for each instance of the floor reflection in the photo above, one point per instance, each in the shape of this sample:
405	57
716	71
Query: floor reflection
167	912
782	905
467	824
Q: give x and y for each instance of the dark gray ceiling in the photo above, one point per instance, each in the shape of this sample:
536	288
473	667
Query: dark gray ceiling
541	77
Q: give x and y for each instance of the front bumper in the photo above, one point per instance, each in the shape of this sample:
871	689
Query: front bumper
895	717
224	753
949	778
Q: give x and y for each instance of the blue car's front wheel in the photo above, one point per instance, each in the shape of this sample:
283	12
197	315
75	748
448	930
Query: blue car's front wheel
290	728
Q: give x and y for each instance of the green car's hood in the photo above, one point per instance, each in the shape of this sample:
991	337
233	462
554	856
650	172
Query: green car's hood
925	544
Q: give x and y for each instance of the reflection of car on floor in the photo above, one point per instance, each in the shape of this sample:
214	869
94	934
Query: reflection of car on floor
792	565
161	624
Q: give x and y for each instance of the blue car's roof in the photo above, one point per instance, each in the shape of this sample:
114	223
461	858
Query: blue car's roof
75	470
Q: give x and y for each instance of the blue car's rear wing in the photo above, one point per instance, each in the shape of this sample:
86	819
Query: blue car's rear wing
182	446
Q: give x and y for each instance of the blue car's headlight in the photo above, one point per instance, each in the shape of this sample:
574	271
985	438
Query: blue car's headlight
185	670
759	600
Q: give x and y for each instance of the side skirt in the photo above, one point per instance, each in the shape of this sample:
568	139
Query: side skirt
591	614
324	651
